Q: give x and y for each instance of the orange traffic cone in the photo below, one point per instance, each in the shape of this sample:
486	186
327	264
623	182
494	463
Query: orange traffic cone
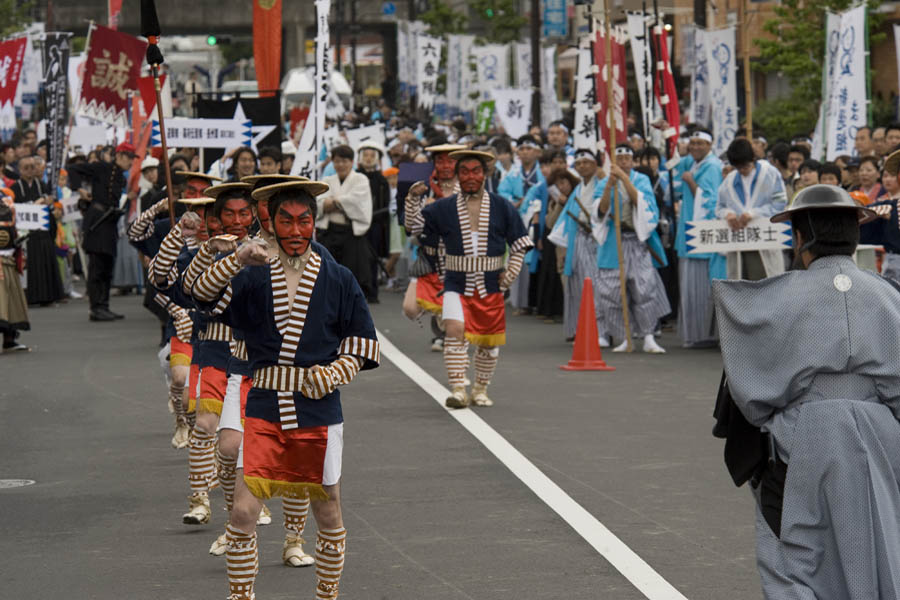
586	355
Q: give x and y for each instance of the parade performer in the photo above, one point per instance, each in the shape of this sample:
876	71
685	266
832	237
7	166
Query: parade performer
811	361
641	248
753	189
13	306
307	330
573	231
885	230
146	233
700	178
424	293
476	227
234	210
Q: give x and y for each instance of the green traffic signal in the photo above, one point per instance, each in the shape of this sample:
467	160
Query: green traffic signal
490	13
211	40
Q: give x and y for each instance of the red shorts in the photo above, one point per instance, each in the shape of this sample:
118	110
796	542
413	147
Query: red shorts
284	463
485	319
193	378
213	382
179	353
428	289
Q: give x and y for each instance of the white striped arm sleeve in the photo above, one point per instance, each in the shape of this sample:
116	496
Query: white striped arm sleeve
413	219
209	284
142	227
517	251
324	380
202	260
162	267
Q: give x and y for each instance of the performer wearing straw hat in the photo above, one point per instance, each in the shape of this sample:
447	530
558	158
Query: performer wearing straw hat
476	227
307	330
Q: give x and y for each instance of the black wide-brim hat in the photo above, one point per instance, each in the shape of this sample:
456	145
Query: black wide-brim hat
822	197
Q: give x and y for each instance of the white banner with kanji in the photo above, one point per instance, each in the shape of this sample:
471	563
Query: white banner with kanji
428	62
701	112
848	104
585	131
512	107
720	58
492	67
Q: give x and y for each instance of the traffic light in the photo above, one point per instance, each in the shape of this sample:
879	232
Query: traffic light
489	13
211	40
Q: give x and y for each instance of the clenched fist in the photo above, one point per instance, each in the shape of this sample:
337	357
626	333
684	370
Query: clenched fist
252	254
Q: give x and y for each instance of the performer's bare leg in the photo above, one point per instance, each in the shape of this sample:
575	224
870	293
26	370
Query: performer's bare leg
330	543
456	360
411	308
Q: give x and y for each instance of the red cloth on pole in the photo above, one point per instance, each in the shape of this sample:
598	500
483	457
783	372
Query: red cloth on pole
112	69
12	53
114	10
267	44
668	96
620	86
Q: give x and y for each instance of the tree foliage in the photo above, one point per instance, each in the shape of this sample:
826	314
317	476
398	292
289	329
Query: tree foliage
442	19
796	51
14	16
501	18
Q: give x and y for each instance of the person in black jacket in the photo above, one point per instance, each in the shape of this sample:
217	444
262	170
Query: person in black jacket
100	231
370	156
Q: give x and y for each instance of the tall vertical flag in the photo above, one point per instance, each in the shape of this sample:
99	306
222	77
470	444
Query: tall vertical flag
267	45
664	86
458	76
492	67
522	58
832	46
55	60
619	110
12	56
639	36
585	132
312	140
720	58
848	106
112	69
402	59
114	10
550	110
701	112
428	62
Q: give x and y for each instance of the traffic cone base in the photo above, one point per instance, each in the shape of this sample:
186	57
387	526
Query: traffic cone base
586	355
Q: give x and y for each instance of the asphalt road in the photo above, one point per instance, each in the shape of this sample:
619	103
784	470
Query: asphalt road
429	511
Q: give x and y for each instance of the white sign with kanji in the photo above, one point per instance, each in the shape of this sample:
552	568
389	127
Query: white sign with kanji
428	63
31	216
513	108
705	237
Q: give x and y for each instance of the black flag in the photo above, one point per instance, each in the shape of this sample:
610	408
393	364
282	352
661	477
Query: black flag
150	30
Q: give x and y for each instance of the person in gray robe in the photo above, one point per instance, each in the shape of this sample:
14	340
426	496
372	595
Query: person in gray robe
811	357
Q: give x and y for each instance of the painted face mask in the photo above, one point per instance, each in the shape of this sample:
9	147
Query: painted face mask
444	166
294	226
262	213
236	217
195	187
471	176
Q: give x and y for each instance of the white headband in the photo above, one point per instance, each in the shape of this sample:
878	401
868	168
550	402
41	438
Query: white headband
624	150
702	135
561	125
529	144
579	154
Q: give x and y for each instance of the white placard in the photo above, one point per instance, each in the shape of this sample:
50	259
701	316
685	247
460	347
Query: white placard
371	133
204	133
70	209
716	236
88	137
31	217
848	105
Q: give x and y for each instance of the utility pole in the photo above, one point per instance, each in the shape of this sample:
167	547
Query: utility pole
536	94
354	29
340	29
700	13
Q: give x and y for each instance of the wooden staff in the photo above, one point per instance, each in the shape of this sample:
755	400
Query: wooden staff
151	30
611	145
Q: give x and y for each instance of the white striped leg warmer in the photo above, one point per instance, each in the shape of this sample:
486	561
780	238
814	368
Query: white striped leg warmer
201	460
295	513
485	364
456	359
175	394
226	471
330	547
243	562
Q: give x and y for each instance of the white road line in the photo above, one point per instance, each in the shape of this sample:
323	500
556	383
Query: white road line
624	559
